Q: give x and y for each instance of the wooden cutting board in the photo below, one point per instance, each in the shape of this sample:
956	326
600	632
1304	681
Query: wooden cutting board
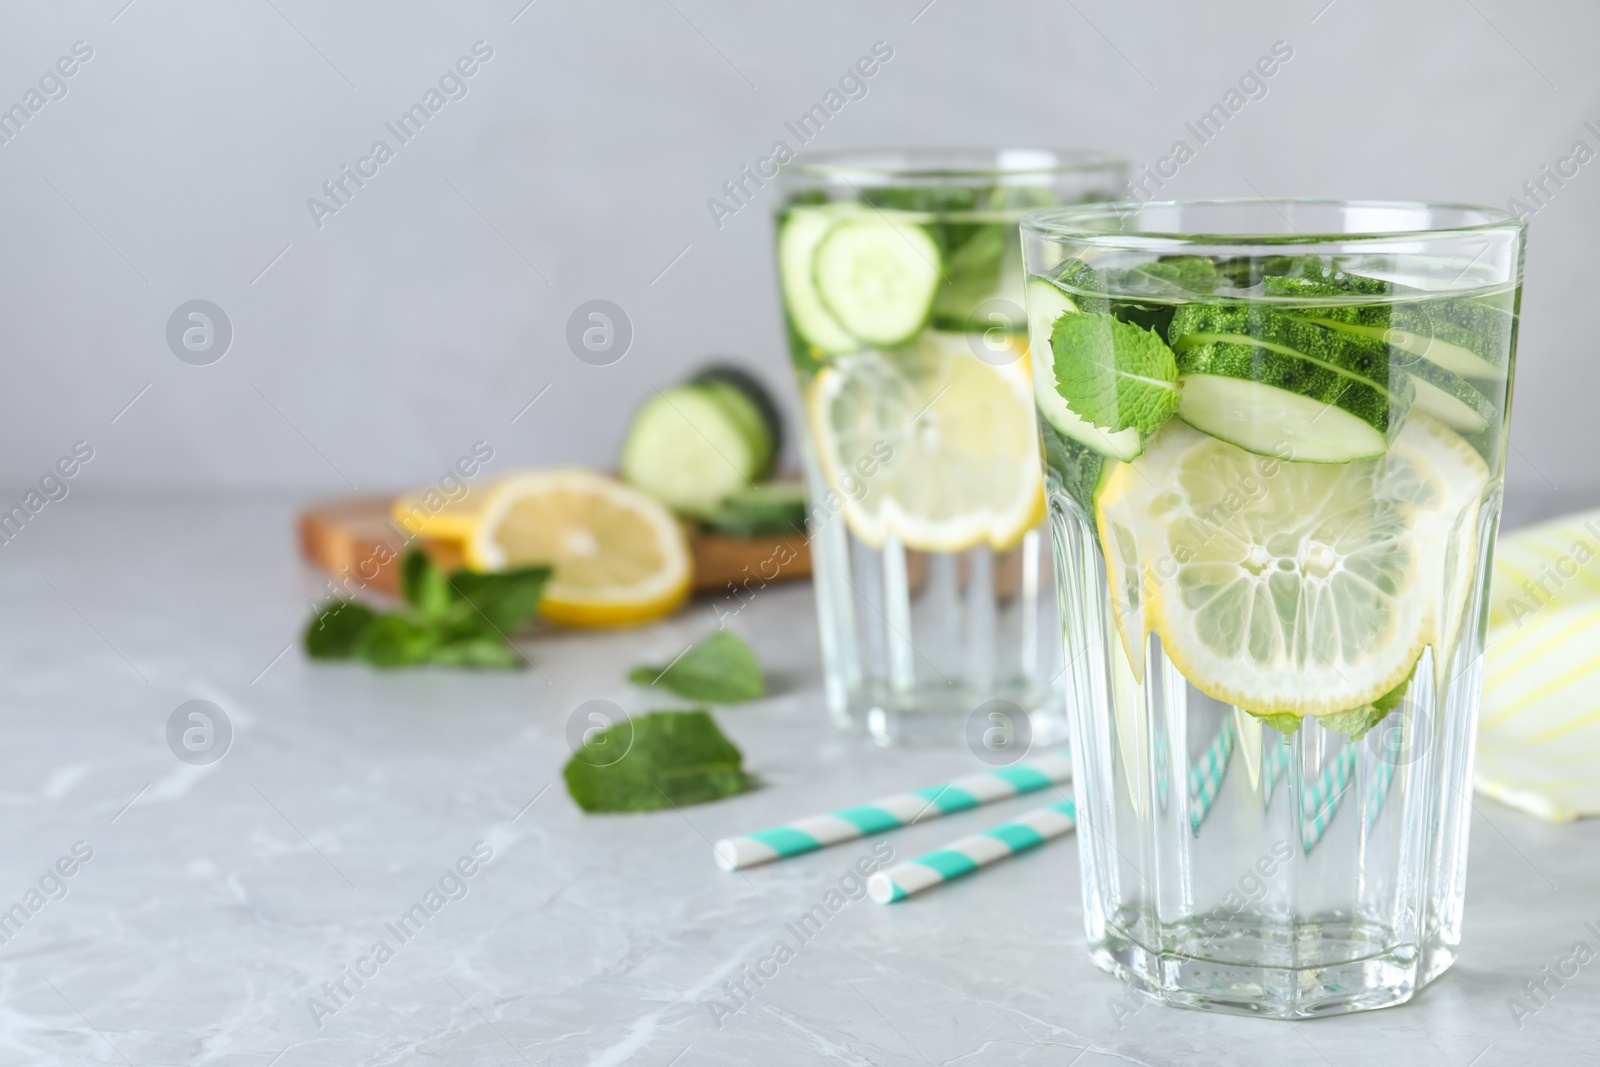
354	541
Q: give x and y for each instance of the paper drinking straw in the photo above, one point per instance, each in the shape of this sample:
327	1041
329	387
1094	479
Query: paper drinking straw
1320	801
1382	778
1205	777
891	812
970	853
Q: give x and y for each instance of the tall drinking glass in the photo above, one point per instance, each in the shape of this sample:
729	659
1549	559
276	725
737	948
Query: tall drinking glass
1274	435
901	275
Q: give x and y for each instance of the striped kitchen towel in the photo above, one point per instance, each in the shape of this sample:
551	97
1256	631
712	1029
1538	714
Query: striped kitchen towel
1539	733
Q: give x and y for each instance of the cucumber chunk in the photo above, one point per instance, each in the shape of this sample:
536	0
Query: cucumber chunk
774	509
1046	304
798	237
750	402
1468	337
1270	421
1449	397
687	448
877	278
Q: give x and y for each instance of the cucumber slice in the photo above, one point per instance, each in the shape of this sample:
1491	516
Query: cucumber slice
1270	421
1449	397
750	402
774	509
685	448
1046	304
798	237
877	277
1470	338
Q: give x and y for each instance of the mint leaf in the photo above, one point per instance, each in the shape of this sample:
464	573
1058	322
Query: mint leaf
719	670
1357	721
503	600
1285	722
422	584
1114	374
334	632
460	620
396	641
670	758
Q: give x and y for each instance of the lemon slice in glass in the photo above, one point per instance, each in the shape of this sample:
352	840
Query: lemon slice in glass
619	557
1307	588
930	444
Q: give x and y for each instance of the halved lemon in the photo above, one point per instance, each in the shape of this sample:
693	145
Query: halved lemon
1307	588
429	513
930	444
618	556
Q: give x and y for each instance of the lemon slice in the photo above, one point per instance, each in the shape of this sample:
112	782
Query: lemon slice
618	556
1307	588
429	513
930	444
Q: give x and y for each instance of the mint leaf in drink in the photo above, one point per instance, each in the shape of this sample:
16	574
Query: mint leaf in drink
670	758
1285	722
1114	375
334	632
719	670
1357	721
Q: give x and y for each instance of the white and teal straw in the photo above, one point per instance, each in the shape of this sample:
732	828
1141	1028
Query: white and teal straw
970	853
1205	777
891	812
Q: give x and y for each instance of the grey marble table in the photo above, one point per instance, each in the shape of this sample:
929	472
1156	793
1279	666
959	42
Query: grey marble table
215	901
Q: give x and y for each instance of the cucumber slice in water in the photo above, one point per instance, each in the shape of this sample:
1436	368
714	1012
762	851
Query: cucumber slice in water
798	237
1276	402
1449	397
1271	421
877	278
1046	304
688	448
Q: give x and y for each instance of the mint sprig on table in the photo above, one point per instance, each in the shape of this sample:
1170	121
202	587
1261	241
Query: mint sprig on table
718	670
455	620
668	758
1114	374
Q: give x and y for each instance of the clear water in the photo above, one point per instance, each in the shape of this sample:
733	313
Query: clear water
927	647
1231	867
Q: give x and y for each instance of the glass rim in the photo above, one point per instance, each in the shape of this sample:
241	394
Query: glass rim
950	162
1057	222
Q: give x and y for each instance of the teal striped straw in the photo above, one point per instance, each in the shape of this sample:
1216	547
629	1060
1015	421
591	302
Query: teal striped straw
962	857
1205	777
1382	778
1320	801
891	812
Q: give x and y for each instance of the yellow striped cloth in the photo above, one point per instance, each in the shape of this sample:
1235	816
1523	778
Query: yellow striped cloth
1539	734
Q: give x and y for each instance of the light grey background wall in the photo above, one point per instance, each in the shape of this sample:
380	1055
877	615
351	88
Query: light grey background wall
430	309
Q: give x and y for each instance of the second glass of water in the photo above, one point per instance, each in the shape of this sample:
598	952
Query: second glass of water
902	284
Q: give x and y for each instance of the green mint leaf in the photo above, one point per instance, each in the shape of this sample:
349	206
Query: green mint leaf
670	758
334	632
485	650
1113	374
396	641
422	584
503	600
719	670
1357	721
1285	722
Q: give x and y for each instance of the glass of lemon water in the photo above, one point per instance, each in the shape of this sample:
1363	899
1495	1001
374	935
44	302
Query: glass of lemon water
1274	439
901	275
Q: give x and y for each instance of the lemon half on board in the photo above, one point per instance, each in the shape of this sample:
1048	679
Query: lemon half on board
618	557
